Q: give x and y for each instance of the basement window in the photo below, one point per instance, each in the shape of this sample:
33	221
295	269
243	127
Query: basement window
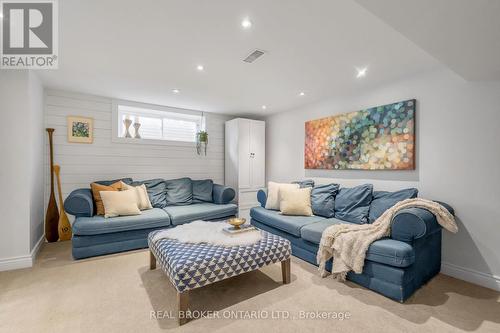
152	124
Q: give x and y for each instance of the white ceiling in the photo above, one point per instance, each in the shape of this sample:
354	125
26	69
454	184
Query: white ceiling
141	50
462	34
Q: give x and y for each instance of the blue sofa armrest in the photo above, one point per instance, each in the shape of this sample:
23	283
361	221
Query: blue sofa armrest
262	197
222	194
413	223
80	203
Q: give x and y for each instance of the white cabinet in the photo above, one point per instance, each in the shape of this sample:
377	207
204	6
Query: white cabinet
257	154
245	161
244	153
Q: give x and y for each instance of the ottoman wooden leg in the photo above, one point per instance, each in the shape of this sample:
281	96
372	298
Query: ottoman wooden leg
285	271
182	307
152	260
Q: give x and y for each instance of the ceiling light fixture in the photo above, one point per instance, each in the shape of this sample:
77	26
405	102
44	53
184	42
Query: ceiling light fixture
176	91
200	68
246	23
264	107
302	93
361	72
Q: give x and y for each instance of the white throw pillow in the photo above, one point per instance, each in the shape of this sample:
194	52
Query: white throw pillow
273	190
296	201
141	194
119	203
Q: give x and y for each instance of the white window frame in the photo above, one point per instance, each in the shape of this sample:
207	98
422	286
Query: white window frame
195	115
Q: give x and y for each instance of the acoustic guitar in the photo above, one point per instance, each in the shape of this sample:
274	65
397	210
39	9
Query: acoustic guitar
64	227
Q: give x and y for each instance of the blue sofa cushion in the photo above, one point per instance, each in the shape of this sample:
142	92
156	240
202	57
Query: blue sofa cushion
289	224
313	232
112	247
202	190
179	191
157	191
97	225
199	211
353	204
391	252
323	199
384	251
109	182
113	237
383	200
304	183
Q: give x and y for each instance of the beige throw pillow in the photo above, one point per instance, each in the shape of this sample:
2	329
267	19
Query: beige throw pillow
141	194
273	190
119	203
296	201
97	188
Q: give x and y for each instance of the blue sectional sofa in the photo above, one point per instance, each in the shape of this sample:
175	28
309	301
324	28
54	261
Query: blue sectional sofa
95	235
395	266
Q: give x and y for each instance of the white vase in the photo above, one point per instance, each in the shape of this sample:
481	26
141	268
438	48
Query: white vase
127	123
136	127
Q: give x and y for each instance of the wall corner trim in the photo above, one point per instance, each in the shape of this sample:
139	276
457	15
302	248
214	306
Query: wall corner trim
8	264
470	275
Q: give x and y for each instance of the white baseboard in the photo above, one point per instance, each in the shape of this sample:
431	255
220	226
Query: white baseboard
9	264
470	275
36	248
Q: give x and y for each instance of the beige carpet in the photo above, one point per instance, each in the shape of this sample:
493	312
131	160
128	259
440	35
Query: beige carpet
117	294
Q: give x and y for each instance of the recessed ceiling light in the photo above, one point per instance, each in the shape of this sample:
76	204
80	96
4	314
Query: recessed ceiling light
302	93
176	91
200	68
246	23
361	72
264	107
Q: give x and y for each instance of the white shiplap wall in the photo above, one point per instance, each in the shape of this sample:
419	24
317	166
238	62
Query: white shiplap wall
82	164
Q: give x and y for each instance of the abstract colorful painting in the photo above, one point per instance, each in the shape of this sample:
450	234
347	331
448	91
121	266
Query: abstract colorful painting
379	138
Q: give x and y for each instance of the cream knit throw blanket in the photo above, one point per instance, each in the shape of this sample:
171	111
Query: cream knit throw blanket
348	243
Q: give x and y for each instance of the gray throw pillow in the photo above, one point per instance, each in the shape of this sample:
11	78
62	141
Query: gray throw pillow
383	200
127	181
353	204
202	190
157	191
179	192
323	199
304	183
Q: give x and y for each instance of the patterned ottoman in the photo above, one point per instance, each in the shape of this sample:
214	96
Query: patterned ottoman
191	266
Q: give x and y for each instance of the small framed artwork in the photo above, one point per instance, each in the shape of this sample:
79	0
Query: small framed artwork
80	129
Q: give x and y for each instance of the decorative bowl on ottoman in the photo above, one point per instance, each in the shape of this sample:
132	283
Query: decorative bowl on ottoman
236	222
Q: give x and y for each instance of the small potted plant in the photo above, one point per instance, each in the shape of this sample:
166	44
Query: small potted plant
201	142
